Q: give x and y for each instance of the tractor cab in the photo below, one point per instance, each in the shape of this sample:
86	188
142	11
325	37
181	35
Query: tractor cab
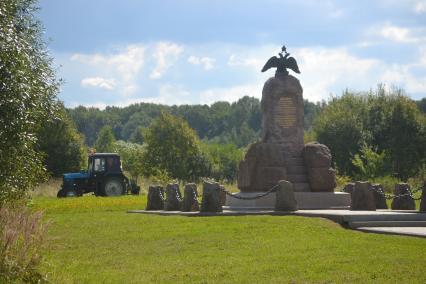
104	177
102	163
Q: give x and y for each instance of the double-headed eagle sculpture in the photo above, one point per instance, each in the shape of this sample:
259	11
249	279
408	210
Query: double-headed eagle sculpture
282	63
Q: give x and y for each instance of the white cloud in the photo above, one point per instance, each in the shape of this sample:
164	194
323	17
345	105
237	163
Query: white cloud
206	62
334	12
124	65
323	69
422	56
166	53
103	83
230	94
420	7
395	33
237	61
401	76
399	34
169	94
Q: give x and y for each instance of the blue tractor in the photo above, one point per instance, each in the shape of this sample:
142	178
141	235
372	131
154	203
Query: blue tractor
104	177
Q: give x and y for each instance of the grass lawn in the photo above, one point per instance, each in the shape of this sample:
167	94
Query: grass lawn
94	240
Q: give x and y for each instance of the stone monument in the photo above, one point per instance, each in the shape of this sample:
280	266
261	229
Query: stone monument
281	153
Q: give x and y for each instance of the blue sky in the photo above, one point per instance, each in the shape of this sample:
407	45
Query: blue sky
194	51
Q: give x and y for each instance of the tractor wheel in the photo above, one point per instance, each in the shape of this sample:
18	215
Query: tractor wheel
61	193
113	187
71	193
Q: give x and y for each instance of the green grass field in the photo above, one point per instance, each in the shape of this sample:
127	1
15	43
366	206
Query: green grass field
94	240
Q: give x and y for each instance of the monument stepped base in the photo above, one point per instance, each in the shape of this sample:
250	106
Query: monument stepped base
305	200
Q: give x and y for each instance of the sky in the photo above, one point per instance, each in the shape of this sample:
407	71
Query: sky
111	52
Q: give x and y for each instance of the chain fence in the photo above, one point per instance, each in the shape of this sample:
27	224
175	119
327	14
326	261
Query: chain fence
392	196
272	189
160	192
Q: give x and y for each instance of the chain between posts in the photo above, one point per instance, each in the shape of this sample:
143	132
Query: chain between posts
272	189
161	195
392	196
178	196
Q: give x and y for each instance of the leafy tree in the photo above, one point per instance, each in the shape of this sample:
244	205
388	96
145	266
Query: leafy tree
137	135
132	158
105	141
386	120
172	146
407	139
369	164
421	104
311	111
225	159
62	145
197	116
88	121
132	127
340	127
28	89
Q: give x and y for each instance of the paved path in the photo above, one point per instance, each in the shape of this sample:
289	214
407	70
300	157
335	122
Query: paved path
407	231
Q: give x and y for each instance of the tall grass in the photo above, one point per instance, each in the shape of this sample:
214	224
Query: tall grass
47	189
22	233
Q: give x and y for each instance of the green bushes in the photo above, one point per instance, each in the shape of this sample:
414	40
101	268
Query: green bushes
224	159
364	130
369	164
172	150
21	237
105	141
132	158
62	147
172	146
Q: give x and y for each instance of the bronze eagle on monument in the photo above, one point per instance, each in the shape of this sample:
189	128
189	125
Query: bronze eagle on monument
282	63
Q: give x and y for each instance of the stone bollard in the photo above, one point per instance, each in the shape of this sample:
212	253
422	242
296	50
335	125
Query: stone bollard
155	198
362	197
211	197
405	202
222	195
317	158
423	199
285	200
379	196
349	188
190	202
173	197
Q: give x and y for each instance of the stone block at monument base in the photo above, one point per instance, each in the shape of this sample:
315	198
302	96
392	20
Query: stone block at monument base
305	200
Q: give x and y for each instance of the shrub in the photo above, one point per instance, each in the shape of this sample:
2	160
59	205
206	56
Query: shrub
341	181
369	164
224	159
131	157
173	147
21	237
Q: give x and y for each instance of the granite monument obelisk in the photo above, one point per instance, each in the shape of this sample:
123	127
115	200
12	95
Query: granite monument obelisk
281	153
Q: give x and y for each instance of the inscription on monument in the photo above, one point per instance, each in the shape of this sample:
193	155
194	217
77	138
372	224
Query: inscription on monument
285	114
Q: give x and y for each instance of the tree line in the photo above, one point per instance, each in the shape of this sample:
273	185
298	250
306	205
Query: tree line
237	123
370	134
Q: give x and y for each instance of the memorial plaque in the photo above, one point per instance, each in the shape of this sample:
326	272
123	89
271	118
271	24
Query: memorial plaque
285	114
